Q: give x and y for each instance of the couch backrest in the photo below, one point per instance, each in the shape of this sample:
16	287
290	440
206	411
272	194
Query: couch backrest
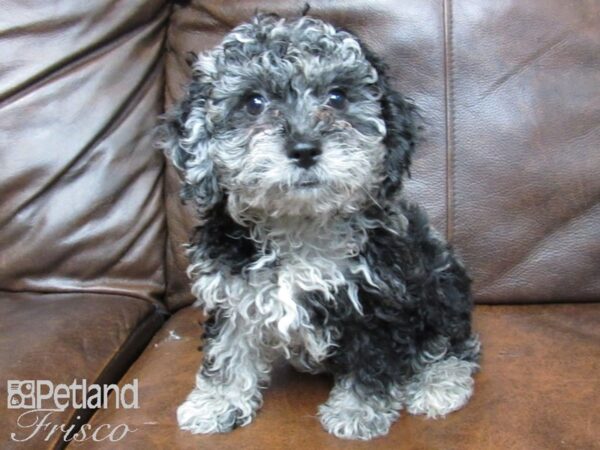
508	168
525	147
81	85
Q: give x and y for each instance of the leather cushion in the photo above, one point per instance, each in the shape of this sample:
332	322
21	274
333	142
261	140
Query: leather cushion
81	87
538	388
63	337
525	209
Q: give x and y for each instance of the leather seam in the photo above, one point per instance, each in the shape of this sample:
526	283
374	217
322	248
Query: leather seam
148	301
164	170
449	116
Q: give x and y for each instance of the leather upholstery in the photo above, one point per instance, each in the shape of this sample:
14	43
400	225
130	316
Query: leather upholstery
81	86
538	390
81	217
525	207
91	228
65	337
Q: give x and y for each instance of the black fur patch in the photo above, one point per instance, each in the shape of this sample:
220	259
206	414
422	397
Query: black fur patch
223	240
424	299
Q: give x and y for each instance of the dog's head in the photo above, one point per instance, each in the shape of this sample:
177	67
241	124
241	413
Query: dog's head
289	118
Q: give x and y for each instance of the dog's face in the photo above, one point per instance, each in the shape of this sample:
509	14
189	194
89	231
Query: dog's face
288	118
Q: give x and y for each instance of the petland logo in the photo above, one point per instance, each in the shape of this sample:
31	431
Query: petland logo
42	398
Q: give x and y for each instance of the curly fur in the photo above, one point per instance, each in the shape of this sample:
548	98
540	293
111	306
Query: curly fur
328	265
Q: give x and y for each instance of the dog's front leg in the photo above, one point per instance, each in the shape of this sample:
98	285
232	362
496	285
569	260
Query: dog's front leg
227	392
354	412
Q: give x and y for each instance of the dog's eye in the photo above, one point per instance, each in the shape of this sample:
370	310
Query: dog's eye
255	104
336	99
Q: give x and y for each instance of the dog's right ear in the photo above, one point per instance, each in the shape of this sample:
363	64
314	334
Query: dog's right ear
184	138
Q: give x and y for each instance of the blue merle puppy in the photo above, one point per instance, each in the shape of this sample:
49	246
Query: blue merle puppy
292	146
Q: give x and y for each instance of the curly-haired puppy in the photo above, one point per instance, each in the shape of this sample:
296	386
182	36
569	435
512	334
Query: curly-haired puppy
293	147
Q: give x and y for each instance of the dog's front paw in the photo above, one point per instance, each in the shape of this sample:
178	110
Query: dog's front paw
356	422
348	416
206	412
441	388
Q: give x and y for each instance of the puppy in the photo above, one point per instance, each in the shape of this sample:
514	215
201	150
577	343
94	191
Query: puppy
292	146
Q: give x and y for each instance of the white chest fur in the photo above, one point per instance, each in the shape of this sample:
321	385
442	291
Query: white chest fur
267	295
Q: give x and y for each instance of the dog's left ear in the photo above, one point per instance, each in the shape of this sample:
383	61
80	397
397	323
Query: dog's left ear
399	116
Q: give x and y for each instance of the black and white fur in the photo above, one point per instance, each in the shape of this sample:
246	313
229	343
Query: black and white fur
327	265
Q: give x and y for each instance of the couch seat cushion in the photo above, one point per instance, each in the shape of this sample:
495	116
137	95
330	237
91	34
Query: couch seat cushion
62	338
538	388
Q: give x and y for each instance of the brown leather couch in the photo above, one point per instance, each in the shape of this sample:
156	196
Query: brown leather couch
92	282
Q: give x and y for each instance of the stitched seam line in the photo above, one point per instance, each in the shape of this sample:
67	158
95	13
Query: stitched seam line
449	115
75	291
167	238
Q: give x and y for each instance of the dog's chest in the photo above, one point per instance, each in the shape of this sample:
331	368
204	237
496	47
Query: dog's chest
312	267
270	294
300	269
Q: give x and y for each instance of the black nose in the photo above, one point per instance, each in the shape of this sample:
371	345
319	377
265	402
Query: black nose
304	153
